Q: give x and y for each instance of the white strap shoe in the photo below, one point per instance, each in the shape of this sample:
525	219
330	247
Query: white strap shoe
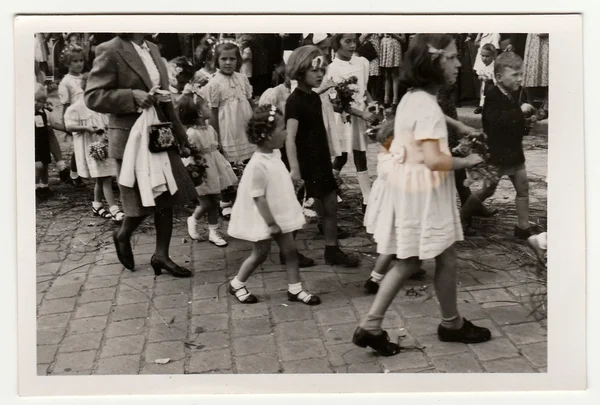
216	239
193	228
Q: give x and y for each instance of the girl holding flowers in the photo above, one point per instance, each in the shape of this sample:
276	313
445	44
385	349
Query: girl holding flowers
419	219
267	208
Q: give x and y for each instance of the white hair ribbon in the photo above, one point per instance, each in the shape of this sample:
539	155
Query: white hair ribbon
318	62
435	52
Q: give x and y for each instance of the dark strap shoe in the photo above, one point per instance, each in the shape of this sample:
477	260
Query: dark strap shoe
469	333
175	270
378	342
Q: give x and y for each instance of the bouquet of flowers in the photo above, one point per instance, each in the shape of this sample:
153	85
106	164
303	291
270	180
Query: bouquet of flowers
380	113
342	96
196	166
99	150
475	143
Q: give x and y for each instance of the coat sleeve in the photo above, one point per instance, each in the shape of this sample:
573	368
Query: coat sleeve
102	93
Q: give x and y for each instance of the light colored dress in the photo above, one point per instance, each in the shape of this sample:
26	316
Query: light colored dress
418	216
378	190
348	136
69	89
88	167
230	94
536	61
219	174
493	39
265	175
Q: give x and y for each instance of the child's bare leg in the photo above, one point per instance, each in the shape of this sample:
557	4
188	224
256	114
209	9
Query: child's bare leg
109	195
204	206
396	84
98	192
237	286
445	288
388	85
521	184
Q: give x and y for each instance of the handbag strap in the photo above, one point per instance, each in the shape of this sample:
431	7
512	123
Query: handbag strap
160	113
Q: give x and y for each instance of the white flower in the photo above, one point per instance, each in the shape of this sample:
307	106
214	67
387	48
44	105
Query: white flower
333	95
271	118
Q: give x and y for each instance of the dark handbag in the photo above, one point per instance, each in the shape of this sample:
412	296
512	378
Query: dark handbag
160	136
367	51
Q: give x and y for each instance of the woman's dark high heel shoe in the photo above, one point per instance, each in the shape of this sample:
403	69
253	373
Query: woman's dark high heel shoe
380	342
175	270
125	255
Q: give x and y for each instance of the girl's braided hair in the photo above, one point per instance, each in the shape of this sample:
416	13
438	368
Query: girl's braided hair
262	124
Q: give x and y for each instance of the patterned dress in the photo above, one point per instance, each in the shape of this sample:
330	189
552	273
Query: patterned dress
536	61
391	52
374	68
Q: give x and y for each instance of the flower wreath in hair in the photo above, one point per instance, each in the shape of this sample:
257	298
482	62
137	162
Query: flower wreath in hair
69	48
270	127
226	41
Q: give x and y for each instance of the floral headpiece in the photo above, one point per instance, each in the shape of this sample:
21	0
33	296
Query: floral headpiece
226	41
270	122
318	62
435	53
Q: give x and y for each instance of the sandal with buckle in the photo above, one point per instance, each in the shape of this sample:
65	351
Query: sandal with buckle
101	212
243	295
118	216
304	297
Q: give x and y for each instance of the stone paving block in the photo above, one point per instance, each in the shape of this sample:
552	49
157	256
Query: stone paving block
472	311
338	334
302	349
52	321
276	284
495	349
164	333
333	299
131	311
486	277
418	308
164	350
73	362
244	311
168	315
208	254
497	297
87	325
335	316
457	363
125	345
106	270
536	353
50	336
209	277
169	287
209	306
43	284
211	322
261	363
171	301
98	294
349	353
204	361
101	282
172	367
42	369
63	291
210	340
120	365
81	342
360	368
211	265
46	353
307	366
48	257
434	347
57	306
487	323
363	303
48	269
512	315
254	344
291	313
128	295
207	291
526	333
126	328
411	359
251	326
422	326
514	365
298	330
93	309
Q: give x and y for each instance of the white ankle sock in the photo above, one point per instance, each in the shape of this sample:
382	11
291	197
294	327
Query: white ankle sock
74	175
295	288
43	185
213	228
376	277
114	209
97	205
60	165
237	284
365	185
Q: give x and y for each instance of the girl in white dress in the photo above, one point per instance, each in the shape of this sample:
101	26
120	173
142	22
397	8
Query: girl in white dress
481	40
194	113
88	127
351	136
267	207
419	219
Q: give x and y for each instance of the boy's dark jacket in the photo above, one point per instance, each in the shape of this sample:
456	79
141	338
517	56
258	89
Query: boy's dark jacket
504	125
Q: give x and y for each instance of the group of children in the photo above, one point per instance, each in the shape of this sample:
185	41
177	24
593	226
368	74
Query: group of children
286	143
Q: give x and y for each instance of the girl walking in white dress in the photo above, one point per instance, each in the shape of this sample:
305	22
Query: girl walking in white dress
267	207
419	219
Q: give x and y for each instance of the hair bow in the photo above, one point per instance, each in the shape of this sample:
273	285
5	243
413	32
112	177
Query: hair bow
318	62
435	52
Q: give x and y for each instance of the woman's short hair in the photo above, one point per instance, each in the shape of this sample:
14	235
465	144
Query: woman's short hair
228	46
507	60
336	40
70	52
490	48
420	67
300	61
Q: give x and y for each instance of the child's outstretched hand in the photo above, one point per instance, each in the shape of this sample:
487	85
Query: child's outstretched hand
274	230
473	160
527	109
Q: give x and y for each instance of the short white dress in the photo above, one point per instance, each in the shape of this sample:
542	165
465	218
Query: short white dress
230	94
487	38
70	89
265	175
219	174
418	215
378	190
346	137
88	167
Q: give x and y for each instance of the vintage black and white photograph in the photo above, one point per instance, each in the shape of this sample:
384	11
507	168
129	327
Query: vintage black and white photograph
291	203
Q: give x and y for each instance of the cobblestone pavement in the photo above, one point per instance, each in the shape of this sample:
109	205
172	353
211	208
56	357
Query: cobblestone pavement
94	317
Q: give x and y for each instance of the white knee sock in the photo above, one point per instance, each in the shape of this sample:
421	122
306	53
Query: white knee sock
365	185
